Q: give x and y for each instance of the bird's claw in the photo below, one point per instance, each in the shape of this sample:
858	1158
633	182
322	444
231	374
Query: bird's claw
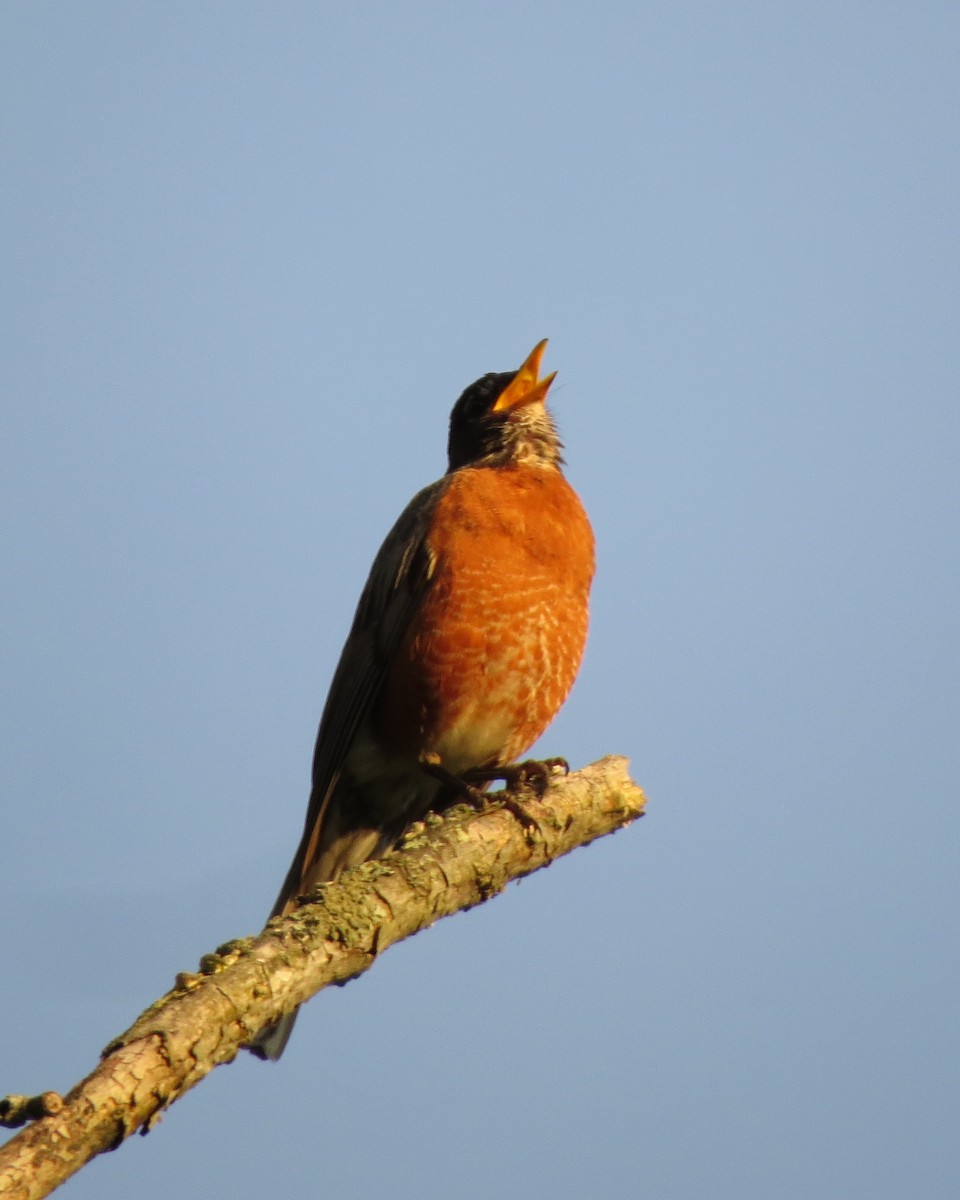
531	775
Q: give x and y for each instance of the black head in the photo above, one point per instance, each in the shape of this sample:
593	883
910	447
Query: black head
502	419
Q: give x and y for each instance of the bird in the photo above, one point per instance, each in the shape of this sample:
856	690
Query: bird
466	640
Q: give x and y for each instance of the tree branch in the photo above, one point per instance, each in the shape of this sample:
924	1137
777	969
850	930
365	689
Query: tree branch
444	865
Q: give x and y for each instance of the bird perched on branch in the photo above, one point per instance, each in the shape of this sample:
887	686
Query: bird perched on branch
466	640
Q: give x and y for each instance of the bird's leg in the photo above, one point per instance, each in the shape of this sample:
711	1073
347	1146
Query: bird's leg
430	763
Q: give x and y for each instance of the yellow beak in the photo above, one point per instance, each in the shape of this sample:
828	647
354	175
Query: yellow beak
526	387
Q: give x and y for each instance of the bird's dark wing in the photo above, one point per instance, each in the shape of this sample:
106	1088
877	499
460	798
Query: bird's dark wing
398	580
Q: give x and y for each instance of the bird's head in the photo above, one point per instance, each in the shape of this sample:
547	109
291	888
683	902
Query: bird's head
502	419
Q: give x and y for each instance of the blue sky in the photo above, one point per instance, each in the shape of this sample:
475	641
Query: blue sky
251	255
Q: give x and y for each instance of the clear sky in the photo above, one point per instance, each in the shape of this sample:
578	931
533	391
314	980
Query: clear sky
251	254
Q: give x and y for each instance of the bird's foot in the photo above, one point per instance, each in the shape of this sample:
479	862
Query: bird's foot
533	774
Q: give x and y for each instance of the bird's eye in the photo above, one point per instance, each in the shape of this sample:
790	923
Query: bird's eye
479	399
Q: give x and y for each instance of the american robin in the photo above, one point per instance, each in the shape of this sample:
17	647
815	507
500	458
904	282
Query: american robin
466	640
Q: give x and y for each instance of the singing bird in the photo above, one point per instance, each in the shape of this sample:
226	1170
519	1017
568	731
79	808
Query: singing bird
465	643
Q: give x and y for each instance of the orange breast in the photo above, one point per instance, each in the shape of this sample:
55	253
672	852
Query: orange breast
497	644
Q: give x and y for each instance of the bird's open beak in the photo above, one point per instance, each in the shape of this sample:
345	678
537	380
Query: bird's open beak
526	387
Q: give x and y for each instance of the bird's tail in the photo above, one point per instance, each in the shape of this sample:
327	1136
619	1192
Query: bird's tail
333	842
322	857
272	1039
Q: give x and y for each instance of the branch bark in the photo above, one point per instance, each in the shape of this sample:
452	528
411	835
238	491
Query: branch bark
444	865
